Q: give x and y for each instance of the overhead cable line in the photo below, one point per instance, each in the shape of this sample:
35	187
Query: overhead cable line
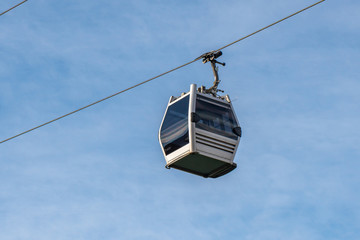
13	7
153	78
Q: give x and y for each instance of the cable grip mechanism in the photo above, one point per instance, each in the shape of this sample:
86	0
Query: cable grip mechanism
211	57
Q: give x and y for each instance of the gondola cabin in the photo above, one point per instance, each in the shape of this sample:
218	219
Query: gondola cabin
199	134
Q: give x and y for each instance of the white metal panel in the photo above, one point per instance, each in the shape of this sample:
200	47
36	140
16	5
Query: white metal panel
191	125
178	154
218	146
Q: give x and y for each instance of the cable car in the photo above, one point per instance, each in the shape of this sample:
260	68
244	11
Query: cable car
199	132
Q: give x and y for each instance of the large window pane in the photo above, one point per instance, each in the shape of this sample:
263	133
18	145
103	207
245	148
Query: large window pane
215	118
174	132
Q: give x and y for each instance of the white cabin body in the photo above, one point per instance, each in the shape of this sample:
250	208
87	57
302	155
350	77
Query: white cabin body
200	134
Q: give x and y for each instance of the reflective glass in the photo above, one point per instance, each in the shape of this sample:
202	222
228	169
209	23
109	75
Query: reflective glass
174	132
215	118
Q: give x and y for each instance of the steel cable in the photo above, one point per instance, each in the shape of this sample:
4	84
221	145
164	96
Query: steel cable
153	78
12	7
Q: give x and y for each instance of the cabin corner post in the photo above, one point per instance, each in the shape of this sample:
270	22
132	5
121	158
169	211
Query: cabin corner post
191	124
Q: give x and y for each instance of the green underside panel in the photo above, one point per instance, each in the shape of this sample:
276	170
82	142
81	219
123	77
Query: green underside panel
198	164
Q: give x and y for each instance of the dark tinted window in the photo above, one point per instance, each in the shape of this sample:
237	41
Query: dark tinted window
216	118
174	131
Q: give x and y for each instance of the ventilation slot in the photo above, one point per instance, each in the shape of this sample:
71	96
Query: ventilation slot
215	143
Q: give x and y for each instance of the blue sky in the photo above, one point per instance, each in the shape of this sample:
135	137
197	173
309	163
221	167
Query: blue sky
100	174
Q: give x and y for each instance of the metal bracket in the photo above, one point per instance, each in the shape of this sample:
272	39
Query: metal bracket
211	57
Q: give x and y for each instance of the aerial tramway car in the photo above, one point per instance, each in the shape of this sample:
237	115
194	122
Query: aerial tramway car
200	133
